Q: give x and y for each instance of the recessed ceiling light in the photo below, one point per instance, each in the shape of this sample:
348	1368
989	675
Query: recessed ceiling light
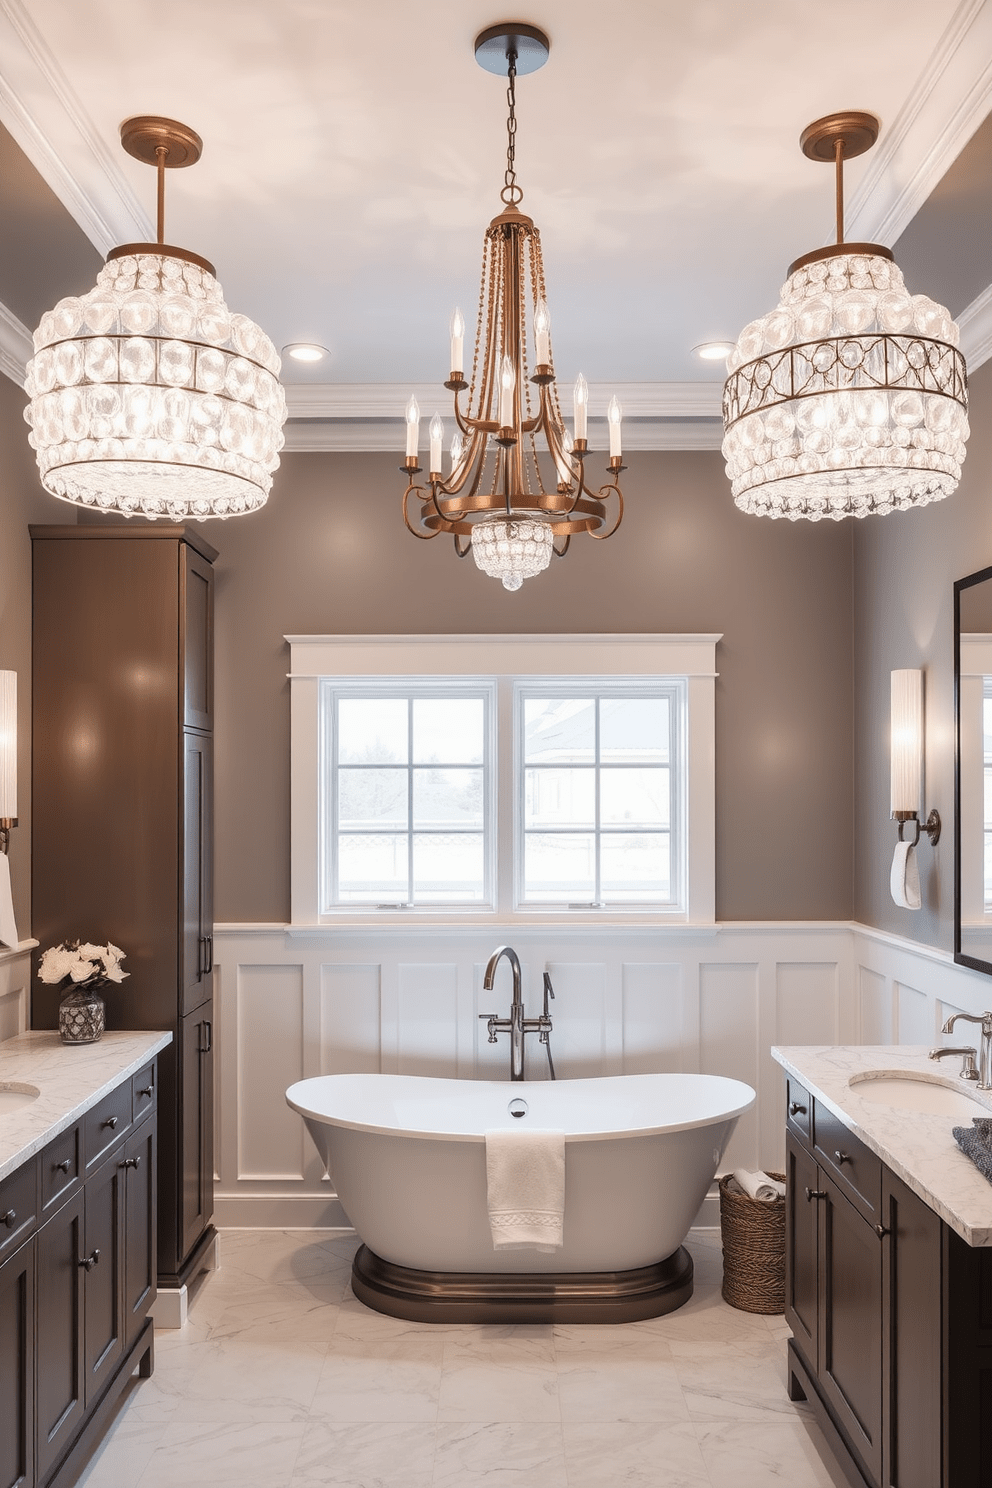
714	351
305	351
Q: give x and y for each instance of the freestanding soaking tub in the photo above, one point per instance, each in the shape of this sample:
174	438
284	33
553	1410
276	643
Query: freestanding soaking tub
407	1156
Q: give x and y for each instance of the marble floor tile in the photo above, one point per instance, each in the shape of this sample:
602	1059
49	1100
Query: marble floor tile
483	1454
274	1313
478	1390
388	1380
124	1454
741	1386
254	1381
373	1454
753	1454
198	1454
641	1454
501	1343
612	1387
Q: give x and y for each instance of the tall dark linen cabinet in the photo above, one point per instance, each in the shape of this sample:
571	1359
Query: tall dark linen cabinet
122	811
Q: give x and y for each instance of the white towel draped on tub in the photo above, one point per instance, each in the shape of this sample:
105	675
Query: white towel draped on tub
525	1173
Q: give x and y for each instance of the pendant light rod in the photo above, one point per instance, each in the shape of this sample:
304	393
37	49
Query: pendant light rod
839	184
161	151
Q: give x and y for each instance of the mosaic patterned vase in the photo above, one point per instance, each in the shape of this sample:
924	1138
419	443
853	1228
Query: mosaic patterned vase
82	1016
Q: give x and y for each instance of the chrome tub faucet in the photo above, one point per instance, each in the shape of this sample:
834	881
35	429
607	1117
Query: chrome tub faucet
517	1025
985	1047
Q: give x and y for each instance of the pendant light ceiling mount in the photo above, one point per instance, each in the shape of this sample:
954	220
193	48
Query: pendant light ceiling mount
164	144
832	140
530	46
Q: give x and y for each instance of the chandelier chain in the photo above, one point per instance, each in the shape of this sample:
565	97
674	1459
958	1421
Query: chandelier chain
511	194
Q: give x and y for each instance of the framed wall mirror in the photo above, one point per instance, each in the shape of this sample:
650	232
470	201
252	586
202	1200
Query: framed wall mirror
973	771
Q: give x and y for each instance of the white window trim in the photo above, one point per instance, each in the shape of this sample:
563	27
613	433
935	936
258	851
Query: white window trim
506	657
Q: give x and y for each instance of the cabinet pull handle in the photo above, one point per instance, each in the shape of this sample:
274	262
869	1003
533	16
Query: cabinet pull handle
149	1092
210	954
8	1218
130	1162
111	1121
841	1157
208	1034
201	958
881	1231
795	1109
90	1261
815	1193
64	1165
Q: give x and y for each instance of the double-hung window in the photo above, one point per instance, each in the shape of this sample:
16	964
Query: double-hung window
502	777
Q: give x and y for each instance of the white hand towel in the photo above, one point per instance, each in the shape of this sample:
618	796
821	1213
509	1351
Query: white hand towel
525	1173
759	1185
904	881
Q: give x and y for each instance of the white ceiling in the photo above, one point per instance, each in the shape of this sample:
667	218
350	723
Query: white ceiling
353	155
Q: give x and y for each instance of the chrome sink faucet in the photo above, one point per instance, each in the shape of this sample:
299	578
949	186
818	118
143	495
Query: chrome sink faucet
969	1069
985	1048
516	1025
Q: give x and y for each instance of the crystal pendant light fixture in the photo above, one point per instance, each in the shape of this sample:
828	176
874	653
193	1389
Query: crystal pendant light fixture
496	500
851	396
147	395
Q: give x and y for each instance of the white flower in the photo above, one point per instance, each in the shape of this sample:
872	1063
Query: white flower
81	964
56	963
90	952
114	973
82	971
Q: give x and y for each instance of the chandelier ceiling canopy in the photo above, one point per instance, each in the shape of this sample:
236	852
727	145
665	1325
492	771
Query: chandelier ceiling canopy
850	397
512	505
147	395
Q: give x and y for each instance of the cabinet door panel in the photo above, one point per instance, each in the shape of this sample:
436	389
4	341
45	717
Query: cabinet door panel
850	1364
197	643
197	1126
801	1218
911	1293
139	1229
103	1229
198	926
17	1292
60	1332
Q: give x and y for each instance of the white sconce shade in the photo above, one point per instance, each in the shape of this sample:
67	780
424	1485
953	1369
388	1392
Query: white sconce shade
907	741
8	745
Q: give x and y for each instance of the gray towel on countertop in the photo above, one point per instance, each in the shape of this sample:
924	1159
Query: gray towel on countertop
976	1142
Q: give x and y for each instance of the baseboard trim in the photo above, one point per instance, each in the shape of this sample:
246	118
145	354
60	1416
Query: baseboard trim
279	1212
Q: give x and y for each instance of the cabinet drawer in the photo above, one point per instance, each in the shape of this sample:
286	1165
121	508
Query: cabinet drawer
61	1168
143	1092
18	1207
853	1166
798	1109
107	1123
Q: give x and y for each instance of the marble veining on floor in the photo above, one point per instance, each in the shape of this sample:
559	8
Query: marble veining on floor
281	1378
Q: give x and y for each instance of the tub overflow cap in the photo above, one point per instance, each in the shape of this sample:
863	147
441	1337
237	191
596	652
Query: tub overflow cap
517	1108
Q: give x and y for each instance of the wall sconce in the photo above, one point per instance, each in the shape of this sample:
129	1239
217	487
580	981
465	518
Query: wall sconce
907	755
8	757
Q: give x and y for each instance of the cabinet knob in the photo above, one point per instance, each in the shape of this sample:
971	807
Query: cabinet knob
149	1092
841	1157
795	1109
64	1165
88	1262
130	1162
815	1193
8	1218
881	1231
111	1121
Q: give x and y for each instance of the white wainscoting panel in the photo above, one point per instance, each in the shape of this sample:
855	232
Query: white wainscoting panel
652	1017
270	1044
875	1007
15	975
350	1026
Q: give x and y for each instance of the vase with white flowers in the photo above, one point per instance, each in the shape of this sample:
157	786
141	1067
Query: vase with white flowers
82	968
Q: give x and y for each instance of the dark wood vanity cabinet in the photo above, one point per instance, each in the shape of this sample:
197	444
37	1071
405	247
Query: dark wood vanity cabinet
891	1315
75	1294
122	791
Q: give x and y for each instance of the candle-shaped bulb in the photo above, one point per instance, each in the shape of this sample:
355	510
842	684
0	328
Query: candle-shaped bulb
412	426
437	440
580	405
562	461
457	449
613	416
457	341
542	333
507	383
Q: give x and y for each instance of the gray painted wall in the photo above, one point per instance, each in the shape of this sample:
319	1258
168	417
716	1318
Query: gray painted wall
330	554
904	571
21	501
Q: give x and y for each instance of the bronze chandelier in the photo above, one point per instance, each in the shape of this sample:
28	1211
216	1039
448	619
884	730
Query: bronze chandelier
496	501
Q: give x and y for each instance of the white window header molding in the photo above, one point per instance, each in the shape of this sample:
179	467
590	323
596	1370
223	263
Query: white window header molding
503	655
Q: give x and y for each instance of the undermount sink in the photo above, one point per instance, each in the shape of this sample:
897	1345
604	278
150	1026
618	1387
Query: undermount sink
14	1094
908	1092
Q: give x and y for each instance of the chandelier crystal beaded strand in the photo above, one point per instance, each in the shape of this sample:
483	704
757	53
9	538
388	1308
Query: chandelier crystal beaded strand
851	396
147	395
495	500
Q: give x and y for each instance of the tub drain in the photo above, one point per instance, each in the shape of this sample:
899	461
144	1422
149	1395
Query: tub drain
517	1108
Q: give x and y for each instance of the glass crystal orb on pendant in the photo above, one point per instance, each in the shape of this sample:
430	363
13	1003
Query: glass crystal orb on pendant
512	548
847	399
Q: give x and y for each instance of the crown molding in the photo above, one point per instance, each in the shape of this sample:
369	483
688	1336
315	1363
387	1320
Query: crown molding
16	346
950	99
347	436
48	121
388	400
975	325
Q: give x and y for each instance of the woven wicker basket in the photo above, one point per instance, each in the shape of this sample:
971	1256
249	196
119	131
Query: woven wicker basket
753	1250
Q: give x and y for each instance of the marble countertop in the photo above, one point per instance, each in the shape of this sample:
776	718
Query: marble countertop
917	1146
70	1077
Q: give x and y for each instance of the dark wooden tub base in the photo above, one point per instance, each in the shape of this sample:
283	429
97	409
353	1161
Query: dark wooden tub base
522	1296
